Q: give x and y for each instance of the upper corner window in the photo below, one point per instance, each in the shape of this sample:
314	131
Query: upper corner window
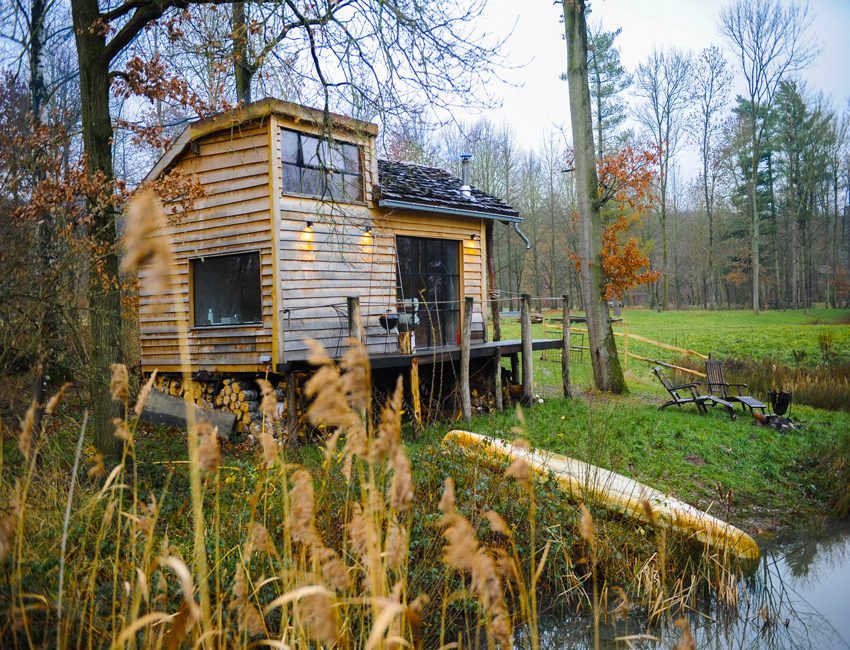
226	290
315	166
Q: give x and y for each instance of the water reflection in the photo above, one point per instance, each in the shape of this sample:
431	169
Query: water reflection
798	598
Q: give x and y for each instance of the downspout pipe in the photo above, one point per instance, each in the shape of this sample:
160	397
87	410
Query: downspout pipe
521	234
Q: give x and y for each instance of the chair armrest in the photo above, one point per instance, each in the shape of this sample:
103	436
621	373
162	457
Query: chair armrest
693	384
739	387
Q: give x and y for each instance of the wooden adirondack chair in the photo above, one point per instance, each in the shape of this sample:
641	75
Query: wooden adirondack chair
679	397
717	384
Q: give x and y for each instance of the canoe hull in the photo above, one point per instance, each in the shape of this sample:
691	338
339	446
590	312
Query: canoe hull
588	482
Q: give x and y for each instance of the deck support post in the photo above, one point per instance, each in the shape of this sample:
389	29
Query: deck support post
515	368
465	343
355	322
565	352
527	355
291	409
497	379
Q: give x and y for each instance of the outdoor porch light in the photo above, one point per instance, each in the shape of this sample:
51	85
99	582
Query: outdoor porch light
474	236
368	230
309	225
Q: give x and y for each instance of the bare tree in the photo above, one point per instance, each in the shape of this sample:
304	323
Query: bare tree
769	40
607	373
662	82
711	81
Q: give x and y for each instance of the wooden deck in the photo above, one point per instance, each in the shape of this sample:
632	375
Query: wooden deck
440	355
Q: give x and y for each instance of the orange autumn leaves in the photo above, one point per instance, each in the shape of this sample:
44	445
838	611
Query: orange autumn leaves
626	181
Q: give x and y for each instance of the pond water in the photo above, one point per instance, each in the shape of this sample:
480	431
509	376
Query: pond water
798	598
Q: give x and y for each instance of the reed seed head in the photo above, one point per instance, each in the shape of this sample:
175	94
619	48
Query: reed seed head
401	485
53	402
334	572
355	376
497	523
271	449
25	438
318	614
303	526
144	240
143	394
209	453
395	547
447	501
122	431
97	467
119	384
586	528
268	404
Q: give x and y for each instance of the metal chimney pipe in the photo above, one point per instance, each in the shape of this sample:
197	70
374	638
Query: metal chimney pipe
464	174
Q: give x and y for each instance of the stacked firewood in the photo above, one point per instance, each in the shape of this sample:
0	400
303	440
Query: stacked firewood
198	392
238	395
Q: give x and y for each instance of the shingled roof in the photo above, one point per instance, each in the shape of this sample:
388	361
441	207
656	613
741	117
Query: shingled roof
402	184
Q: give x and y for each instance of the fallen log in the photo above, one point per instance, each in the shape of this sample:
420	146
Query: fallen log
165	409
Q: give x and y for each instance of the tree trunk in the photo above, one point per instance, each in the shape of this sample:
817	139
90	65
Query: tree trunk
46	229
773	218
665	280
710	214
104	292
607	373
755	215
243	72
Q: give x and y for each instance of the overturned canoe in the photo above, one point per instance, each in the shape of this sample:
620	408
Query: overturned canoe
615	491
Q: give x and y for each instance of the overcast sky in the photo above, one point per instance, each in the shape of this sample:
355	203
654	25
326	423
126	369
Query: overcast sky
540	102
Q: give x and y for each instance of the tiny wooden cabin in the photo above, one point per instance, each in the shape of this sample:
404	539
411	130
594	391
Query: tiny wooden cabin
298	216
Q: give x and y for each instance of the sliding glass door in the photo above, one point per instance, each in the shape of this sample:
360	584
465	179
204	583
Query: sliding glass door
428	286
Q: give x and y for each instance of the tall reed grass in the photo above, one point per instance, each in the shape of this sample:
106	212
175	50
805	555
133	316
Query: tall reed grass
824	386
290	551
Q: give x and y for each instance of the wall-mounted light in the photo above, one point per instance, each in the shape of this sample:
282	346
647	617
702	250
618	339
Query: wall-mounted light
309	226
474	236
368	230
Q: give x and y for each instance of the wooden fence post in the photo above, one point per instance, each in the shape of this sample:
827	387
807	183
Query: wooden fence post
527	361
355	322
565	352
465	343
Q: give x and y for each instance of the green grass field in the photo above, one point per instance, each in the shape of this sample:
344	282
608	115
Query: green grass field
678	450
789	337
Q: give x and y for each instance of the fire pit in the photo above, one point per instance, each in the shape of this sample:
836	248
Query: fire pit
780	401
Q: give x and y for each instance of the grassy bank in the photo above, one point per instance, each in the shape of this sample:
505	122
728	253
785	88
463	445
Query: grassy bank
364	542
342	546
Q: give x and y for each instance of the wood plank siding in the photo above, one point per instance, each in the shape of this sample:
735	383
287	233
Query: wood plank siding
306	273
336	258
234	215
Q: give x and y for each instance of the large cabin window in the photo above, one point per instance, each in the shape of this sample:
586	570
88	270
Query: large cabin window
315	166
429	285
226	290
